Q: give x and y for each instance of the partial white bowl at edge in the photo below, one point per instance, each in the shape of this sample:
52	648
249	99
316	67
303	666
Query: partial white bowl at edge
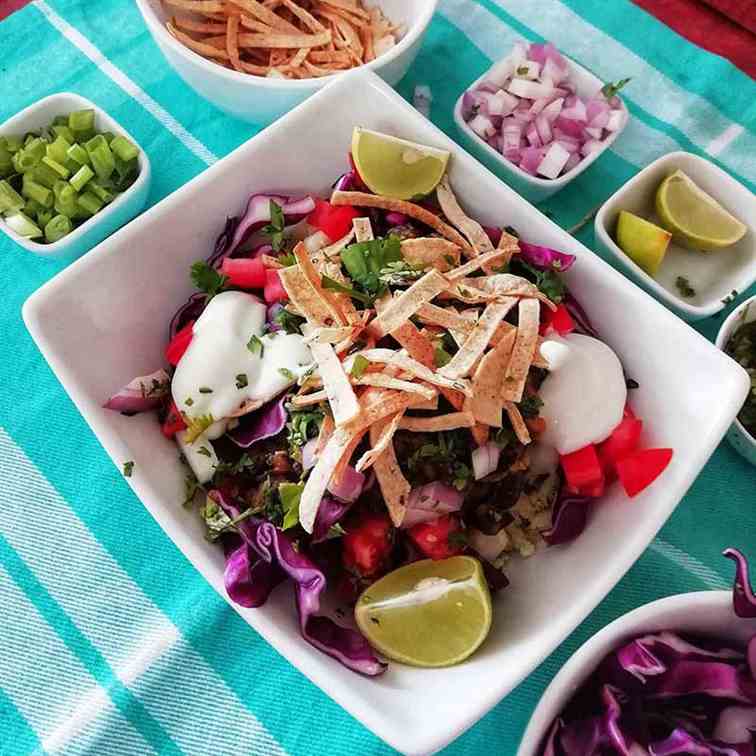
740	439
260	99
707	613
81	319
713	275
534	188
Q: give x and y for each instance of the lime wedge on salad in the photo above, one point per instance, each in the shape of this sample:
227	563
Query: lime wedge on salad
693	216
428	613
397	168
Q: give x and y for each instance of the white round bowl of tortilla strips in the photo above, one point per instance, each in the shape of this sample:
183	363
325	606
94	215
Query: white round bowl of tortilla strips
385	37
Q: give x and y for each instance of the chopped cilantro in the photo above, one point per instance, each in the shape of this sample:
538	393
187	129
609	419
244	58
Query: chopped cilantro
463	474
522	70
286	373
400	273
303	426
196	426
188	401
684	287
204	451
216	520
440	356
289	321
275	229
502	437
191	486
547	281
241	381
290	494
530	406
366	261
255	346
207	279
611	88
359	366
333	285
128	468
205	390
287	259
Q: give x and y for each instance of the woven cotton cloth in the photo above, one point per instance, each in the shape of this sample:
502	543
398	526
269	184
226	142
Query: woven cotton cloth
110	641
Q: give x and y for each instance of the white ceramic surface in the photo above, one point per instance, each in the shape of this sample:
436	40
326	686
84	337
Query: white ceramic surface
707	613
119	212
82	318
742	441
534	188
713	275
261	100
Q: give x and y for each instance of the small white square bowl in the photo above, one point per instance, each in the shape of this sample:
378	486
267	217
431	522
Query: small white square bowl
535	188
82	318
119	212
713	275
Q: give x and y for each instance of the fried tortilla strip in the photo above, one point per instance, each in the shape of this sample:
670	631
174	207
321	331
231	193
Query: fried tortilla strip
202	27
327	428
486	402
508	285
208	51
390	426
468	293
523	351
363	199
306	18
348	6
232	42
408	302
308	400
320	476
271	262
446	317
427	404
363	230
387	381
483	260
284	41
258	26
267	16
394	486
328	335
333	251
431	250
480	433
327	56
439	423
539	360
341	396
197	6
313	276
520	428
509	245
479	242
475	344
306	298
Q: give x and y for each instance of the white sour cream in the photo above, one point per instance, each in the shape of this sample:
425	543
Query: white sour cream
584	394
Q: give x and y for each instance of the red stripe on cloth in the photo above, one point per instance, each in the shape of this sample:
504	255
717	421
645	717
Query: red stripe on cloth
709	29
8	6
742	12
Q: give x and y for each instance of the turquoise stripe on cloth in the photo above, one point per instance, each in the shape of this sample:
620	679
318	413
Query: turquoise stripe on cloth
111	643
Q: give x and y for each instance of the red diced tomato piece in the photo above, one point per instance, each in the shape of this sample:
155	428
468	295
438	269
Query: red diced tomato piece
583	470
173	422
640	469
560	320
624	440
274	290
334	221
628	411
436	539
244	272
367	544
179	344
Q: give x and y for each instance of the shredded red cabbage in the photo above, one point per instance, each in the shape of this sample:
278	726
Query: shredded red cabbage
569	517
330	512
744	599
545	258
429	502
190	310
266	422
143	394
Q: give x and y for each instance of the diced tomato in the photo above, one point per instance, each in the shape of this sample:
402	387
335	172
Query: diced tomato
560	320
628	411
244	272
274	290
173	422
179	344
638	470
367	544
436	539
334	221
623	441
583	471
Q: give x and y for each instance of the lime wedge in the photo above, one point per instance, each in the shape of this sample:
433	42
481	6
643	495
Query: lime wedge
643	242
429	613
694	217
397	168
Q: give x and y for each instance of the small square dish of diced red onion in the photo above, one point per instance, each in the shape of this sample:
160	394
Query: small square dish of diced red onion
533	109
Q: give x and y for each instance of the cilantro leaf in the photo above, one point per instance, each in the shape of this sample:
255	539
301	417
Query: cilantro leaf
286	373
400	273
365	261
287	259
196	426
333	285
302	426
290	322
548	281
440	356
275	229
530	406
128	468
241	381
207	279
290	494
611	88
255	346
359	366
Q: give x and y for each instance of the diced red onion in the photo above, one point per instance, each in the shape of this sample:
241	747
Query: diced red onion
482	126
511	134
141	395
552	71
396	219
576	111
501	103
308	454
430	502
554	161
572	161
485	460
616	120
488	86
533	137
594	133
568	126
349	486
544	129
531	158
500	72
469	103
591	146
553	109
532	90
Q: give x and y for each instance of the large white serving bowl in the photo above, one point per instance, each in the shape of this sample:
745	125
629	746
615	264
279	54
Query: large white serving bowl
104	320
706	613
261	100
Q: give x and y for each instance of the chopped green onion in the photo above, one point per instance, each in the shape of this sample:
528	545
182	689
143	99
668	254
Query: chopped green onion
61	170
44	175
80	178
124	149
58	150
36	148
57	228
32	208
109	136
102	161
6	161
82	124
97	188
13	143
24	161
66	199
23	226
96	141
10	199
60	120
44	217
77	153
62	130
90	202
32	190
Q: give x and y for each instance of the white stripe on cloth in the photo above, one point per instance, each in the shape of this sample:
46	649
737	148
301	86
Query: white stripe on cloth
128	85
722	141
143	647
690	564
60	700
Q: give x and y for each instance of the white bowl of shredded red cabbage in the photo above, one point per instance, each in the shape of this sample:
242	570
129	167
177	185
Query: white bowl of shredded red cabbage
673	678
357	384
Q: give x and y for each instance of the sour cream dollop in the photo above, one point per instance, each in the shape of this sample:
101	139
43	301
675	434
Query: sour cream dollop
584	394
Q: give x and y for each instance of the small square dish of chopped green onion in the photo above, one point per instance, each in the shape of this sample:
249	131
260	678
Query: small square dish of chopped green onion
65	165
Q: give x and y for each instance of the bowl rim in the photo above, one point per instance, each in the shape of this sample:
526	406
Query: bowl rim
665	295
584	660
545	183
162	35
145	170
723	335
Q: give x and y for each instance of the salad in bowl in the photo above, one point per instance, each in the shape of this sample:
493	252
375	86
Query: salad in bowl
375	394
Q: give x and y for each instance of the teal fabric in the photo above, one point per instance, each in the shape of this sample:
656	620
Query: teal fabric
110	642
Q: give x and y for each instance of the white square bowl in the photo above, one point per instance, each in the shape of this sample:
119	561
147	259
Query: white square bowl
104	320
119	212
535	188
713	275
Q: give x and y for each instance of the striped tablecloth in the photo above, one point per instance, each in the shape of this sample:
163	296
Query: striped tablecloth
110	642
